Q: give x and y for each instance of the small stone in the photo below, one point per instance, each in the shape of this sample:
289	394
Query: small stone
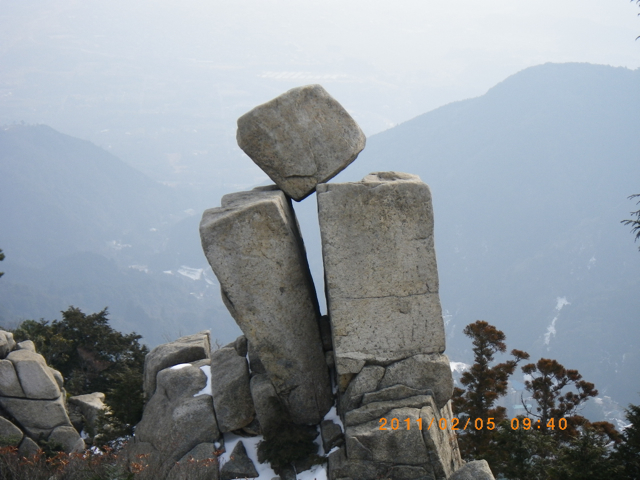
476	470
331	435
184	350
7	343
232	400
397	392
269	410
26	345
28	448
10	435
376	410
239	465
301	138
68	437
241	346
366	381
422	372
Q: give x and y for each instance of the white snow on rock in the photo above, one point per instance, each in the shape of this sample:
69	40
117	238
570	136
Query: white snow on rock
207	388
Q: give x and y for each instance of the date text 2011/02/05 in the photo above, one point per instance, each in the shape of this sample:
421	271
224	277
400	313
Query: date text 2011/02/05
478	424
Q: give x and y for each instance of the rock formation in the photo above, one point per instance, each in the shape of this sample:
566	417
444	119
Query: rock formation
255	249
302	138
382	340
32	400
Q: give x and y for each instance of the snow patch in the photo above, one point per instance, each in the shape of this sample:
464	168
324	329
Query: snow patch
459	367
140	268
180	366
206	369
192	273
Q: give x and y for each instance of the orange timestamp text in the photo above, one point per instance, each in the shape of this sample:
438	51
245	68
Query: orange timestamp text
478	424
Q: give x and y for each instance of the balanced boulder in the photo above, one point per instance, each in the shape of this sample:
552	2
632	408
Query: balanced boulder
301	138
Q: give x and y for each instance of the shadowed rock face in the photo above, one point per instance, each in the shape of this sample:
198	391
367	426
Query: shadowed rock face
380	269
253	245
301	138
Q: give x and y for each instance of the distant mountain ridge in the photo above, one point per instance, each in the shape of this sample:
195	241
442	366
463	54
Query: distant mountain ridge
529	183
80	227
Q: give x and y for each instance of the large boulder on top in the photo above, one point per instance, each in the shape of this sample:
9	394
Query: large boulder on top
301	138
254	247
380	269
183	350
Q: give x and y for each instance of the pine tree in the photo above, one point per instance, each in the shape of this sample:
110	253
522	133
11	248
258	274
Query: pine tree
93	357
628	451
484	385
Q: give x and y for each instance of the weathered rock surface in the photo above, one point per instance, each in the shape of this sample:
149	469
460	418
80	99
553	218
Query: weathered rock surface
9	433
254	247
396	392
37	417
442	443
366	381
174	420
26	345
269	410
35	376
184	350
331	435
380	269
422	371
9	383
301	138
375	410
28	448
232	400
7	343
401	446
239	465
476	470
84	411
199	462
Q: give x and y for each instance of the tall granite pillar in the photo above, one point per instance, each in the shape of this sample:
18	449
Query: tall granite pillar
381	282
254	247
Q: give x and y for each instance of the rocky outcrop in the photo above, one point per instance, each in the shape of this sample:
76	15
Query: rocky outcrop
382	340
230	390
184	350
388	333
239	466
254	247
32	399
179	415
300	139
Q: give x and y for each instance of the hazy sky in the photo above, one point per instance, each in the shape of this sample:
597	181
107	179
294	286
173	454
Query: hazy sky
415	54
